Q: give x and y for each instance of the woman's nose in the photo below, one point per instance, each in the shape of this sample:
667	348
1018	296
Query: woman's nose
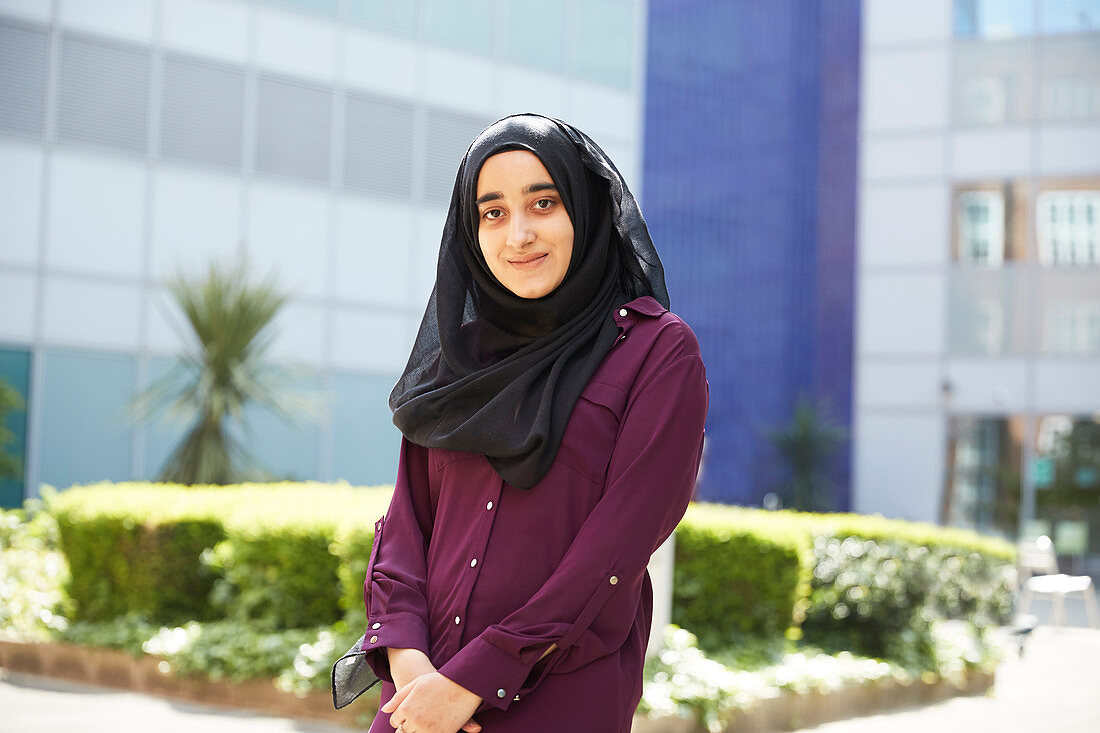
520	232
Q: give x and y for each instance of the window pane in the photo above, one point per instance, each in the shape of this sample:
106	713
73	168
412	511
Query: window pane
605	41
987	311
366	441
983	469
1069	16
1067	229
992	83
287	452
1069	78
293	129
1066	306
465	23
994	18
378	146
536	34
449	135
163	433
201	111
103	92
323	7
388	15
15	367
84	438
23	81
1067	481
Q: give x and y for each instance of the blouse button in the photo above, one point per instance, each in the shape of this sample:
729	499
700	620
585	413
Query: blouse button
489	505
376	626
458	620
473	563
614	580
501	693
374	640
622	312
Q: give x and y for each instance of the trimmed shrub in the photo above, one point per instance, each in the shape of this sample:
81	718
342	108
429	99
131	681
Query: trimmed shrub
737	570
261	552
867	581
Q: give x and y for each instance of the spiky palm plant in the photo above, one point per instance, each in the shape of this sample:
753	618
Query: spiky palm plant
223	369
805	445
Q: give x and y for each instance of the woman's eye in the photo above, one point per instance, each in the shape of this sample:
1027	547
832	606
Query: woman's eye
493	214
544	203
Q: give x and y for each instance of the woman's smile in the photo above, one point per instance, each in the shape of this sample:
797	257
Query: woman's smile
528	262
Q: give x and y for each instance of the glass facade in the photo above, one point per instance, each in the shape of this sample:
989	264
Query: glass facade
750	195
85	436
15	368
319	136
983	469
1019	60
1025	279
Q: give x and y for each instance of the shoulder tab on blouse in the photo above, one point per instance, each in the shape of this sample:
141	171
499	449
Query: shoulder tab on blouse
646	305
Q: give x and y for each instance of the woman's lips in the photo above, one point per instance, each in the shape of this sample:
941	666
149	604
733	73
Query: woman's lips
528	263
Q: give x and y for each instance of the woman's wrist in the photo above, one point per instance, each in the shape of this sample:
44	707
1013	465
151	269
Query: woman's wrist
408	664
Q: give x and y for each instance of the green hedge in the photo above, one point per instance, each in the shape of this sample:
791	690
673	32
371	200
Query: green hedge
853	581
294	555
261	552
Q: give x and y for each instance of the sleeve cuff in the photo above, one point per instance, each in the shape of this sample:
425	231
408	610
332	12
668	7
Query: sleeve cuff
394	631
493	675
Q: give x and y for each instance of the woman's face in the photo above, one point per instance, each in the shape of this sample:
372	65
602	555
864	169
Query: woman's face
525	234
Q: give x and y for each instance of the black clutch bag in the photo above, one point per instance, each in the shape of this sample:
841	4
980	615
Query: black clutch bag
351	675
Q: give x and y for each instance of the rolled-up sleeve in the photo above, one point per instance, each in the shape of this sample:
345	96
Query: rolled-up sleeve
589	604
394	587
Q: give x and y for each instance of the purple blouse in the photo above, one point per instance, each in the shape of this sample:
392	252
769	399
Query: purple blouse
483	577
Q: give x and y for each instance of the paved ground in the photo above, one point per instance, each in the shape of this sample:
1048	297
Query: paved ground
30	704
1053	688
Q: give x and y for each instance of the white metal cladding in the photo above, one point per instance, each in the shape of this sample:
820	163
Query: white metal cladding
447	137
22	79
103	93
202	107
378	146
293	129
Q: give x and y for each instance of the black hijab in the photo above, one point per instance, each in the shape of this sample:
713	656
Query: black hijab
493	373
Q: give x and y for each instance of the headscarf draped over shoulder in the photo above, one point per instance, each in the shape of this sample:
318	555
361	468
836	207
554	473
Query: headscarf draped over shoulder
493	373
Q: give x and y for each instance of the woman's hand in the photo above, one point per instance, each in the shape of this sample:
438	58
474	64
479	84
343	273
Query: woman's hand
431	703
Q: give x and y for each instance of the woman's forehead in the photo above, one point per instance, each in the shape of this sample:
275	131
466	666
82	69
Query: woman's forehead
510	168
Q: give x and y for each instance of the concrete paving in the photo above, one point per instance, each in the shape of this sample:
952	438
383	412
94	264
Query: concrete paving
31	704
1053	688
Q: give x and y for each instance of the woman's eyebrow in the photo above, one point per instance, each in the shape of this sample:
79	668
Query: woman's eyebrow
495	195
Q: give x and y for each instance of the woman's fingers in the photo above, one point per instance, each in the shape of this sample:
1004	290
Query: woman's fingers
472	726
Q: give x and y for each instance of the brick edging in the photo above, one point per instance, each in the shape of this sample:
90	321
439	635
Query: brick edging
120	670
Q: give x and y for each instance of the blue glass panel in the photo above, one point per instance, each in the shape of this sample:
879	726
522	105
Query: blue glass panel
605	41
751	124
466	23
85	438
1069	16
388	15
366	441
536	34
324	7
994	18
163	432
287	452
15	367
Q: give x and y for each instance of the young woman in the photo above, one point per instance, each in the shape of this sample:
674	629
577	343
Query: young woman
552	412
